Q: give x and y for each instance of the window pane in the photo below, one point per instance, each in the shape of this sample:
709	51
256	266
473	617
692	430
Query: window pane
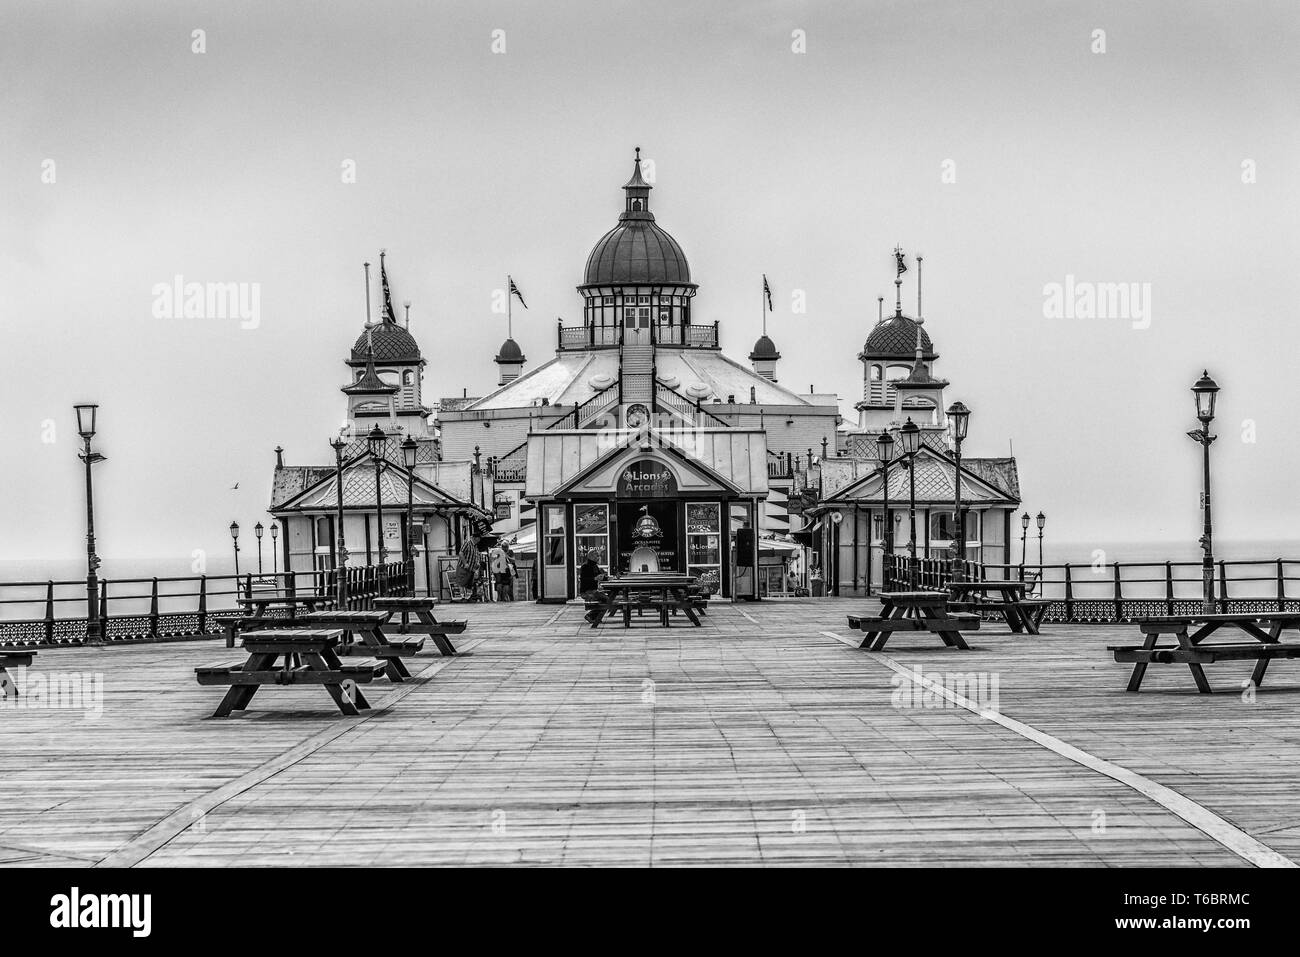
554	518
554	551
590	520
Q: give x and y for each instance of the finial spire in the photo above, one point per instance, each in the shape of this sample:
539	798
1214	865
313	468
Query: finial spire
901	268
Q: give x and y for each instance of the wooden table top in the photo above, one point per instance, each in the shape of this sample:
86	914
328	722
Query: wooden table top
896	596
649	580
990	586
304	636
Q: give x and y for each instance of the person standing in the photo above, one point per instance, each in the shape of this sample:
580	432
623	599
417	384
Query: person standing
512	572
590	575
500	568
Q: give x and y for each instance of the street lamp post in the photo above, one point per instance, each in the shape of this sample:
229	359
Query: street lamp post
258	530
1024	532
375	441
910	434
885	452
86	414
338	445
1206	391
958	424
1041	520
275	557
409	451
234	537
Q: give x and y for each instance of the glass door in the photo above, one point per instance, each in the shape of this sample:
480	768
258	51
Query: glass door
590	534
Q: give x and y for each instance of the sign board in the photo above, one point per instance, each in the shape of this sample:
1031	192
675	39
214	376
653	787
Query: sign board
646	478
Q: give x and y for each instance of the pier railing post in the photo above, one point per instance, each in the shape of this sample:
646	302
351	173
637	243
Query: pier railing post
1281	588
1223	587
203	605
153	610
1119	594
1169	588
1069	593
50	613
103	610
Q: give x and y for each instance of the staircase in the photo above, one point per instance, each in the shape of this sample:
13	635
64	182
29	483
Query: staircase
638	361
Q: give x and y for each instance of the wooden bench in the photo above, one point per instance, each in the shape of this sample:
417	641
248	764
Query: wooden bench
1190	631
309	659
12	659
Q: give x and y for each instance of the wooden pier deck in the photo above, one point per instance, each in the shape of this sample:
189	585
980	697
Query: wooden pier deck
757	739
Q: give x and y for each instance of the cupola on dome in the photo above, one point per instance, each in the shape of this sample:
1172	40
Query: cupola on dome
637	250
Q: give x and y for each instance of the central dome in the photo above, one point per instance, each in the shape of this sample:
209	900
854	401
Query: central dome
637	251
391	342
896	338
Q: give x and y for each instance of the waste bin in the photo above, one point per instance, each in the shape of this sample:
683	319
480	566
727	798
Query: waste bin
818	588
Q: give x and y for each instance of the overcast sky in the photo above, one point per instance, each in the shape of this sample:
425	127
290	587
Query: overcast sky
226	166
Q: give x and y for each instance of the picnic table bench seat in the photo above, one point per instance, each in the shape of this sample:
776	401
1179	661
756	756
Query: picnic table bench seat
1192	649
12	659
309	658
361	670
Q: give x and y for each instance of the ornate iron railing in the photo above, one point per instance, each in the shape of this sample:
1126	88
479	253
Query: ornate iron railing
1121	591
159	609
513	466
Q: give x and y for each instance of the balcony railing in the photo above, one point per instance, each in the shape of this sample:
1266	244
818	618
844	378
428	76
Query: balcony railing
608	337
587	337
686	409
696	337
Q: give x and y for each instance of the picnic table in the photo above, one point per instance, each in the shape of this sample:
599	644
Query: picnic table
666	592
1190	631
1008	597
255	610
368	627
425	624
915	611
12	659
310	657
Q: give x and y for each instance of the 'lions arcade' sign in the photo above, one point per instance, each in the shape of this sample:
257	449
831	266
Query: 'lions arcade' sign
646	479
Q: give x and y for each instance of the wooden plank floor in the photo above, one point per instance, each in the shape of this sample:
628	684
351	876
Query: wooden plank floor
745	741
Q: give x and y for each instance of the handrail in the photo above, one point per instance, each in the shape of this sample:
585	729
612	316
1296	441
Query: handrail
674	401
579	415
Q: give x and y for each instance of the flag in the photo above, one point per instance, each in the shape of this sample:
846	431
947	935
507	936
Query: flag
388	299
514	291
898	256
767	291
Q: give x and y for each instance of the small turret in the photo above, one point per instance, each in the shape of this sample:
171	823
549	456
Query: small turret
764	357
510	359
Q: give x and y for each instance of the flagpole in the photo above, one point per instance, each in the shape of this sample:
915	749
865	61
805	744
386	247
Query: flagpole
762	304
367	265
510	317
